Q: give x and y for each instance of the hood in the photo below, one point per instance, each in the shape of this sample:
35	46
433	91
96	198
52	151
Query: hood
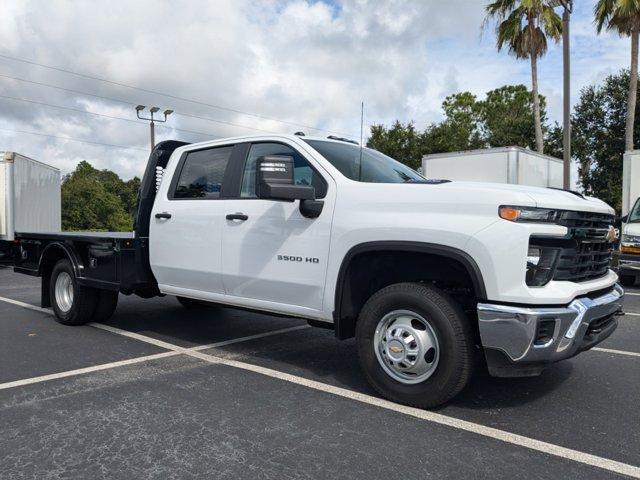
631	228
539	196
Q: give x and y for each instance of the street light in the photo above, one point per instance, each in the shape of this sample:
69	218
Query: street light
152	120
566	140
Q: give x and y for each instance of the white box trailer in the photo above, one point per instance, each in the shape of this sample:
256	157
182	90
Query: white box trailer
29	196
630	179
501	165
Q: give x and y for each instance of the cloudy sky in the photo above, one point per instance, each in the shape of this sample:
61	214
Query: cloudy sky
251	66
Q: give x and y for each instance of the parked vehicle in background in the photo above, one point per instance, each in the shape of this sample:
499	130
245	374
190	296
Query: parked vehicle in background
629	258
427	275
514	165
630	179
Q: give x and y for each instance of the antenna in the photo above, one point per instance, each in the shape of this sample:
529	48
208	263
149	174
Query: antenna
361	134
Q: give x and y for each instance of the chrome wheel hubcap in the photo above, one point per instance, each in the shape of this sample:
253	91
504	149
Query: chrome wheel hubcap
406	346
64	291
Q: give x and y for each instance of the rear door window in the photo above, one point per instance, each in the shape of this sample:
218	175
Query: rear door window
202	173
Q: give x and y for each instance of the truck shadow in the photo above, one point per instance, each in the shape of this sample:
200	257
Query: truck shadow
486	392
165	319
311	352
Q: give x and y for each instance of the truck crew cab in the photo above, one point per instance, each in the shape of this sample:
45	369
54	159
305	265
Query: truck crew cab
428	275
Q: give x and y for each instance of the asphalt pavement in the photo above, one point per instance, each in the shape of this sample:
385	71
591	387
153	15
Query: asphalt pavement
164	392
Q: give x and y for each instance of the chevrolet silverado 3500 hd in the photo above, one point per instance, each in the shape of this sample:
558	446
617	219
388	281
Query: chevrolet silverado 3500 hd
428	275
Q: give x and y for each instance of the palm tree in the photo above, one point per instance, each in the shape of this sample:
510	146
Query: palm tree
523	27
623	16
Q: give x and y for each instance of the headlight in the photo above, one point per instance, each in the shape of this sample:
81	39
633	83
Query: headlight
630	243
529	214
541	262
630	239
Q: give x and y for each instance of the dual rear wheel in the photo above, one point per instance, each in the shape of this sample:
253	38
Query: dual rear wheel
75	304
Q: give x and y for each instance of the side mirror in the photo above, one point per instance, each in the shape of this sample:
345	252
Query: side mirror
274	180
624	218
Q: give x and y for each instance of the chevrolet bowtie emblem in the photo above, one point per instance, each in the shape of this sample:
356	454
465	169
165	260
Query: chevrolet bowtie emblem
395	349
612	234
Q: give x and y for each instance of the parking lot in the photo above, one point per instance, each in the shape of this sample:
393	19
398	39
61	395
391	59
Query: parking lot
164	392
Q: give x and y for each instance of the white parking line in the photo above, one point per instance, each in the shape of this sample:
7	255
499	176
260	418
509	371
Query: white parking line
131	361
617	352
631	293
26	305
81	371
250	337
173	349
504	436
494	433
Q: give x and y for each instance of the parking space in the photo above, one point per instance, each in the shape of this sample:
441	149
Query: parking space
233	394
217	422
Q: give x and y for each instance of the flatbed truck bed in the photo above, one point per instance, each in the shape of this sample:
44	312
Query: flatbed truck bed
115	261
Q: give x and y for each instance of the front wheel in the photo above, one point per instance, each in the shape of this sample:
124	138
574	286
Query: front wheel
415	344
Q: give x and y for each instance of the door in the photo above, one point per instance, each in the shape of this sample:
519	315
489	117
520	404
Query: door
273	253
186	224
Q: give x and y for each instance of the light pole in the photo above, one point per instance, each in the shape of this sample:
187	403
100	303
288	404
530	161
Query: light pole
566	67
152	120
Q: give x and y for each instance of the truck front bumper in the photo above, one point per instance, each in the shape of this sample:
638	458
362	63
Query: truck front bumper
629	264
521	341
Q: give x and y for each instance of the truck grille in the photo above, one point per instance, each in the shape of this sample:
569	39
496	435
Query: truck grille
588	253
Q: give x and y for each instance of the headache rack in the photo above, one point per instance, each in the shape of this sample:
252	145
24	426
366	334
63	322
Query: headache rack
588	253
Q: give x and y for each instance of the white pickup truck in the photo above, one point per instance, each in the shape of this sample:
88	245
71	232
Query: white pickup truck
430	276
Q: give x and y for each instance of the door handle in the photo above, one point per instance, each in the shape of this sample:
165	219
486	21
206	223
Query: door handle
166	215
237	216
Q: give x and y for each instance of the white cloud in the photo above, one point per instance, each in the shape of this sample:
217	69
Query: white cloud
306	62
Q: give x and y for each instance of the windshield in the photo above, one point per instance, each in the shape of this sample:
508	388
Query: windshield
634	215
376	167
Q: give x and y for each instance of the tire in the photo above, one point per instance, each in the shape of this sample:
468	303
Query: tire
192	304
80	303
440	320
627	280
107	303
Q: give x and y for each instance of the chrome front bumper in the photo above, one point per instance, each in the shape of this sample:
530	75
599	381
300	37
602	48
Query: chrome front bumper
509	334
629	263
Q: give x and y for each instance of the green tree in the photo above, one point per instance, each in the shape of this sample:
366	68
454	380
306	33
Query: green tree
523	27
507	114
401	141
554	143
503	118
623	16
129	195
93	200
461	128
598	137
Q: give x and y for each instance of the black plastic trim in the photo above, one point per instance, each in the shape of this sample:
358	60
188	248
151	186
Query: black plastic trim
159	157
69	253
422	247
